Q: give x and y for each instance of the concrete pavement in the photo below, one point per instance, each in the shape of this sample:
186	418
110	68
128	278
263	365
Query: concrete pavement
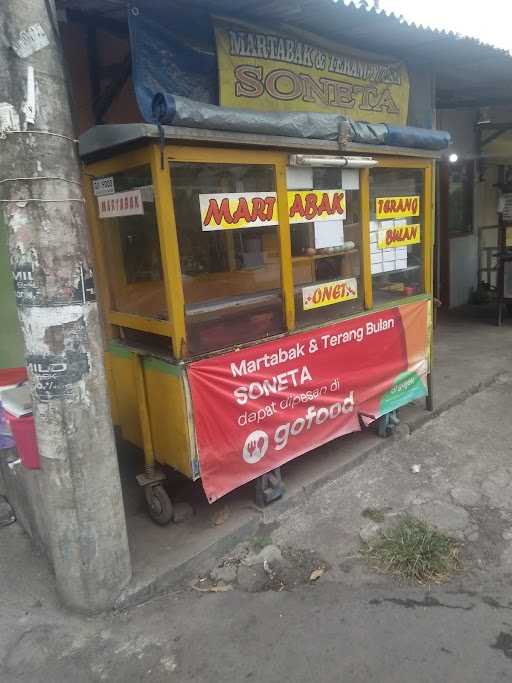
350	624
469	353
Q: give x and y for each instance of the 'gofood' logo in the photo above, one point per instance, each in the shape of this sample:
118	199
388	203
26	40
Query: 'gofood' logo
255	447
256	444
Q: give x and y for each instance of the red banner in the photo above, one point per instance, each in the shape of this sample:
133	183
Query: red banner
259	407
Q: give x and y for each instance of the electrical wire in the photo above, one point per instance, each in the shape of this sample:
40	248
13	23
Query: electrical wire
24	201
37	199
39	132
44	177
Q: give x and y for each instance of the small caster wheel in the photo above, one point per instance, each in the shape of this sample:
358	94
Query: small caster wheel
387	424
159	504
269	487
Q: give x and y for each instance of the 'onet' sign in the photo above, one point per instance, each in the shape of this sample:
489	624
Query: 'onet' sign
328	293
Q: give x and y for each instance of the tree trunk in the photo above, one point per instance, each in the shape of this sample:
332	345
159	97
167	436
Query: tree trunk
80	502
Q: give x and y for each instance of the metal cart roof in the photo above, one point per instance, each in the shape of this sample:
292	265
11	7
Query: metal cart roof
104	141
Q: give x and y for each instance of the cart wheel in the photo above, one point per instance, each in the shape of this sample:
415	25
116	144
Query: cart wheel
382	427
387	424
159	504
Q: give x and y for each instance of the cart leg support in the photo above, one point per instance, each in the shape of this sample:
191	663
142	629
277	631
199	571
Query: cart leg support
429	400
269	487
157	499
387	424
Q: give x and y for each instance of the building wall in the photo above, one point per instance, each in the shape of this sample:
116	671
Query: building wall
464	248
497	153
463	268
465	251
487	196
110	51
460	123
500	149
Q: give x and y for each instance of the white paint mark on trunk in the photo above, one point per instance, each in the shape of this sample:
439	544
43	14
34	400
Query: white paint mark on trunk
36	322
29	107
29	41
9	118
17	219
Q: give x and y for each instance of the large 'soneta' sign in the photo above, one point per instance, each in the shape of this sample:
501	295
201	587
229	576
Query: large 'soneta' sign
262	69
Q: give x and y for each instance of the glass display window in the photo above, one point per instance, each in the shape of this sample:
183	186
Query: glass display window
324	213
397	232
223	247
129	232
227	228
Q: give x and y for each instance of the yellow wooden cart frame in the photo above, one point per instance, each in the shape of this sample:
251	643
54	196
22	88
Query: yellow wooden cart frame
149	392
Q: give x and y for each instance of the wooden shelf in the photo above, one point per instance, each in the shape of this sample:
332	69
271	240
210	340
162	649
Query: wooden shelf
398	270
402	270
319	256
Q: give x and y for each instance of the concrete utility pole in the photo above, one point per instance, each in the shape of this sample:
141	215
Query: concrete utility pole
80	497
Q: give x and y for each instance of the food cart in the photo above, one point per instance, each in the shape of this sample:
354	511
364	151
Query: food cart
262	296
504	252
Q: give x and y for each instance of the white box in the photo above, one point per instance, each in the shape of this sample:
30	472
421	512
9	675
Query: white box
350	179
374	249
328	234
400	222
374	226
373	238
376	258
299	178
401	264
401	252
387	266
385	225
388	254
376	268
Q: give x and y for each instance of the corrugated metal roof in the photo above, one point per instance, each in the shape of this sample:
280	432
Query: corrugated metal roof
423	28
467	71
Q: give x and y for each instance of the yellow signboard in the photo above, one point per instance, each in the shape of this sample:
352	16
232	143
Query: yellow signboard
316	205
234	210
396	207
265	70
230	211
328	293
399	236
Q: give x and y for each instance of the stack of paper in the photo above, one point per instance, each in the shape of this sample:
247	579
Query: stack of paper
386	260
329	234
17	401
